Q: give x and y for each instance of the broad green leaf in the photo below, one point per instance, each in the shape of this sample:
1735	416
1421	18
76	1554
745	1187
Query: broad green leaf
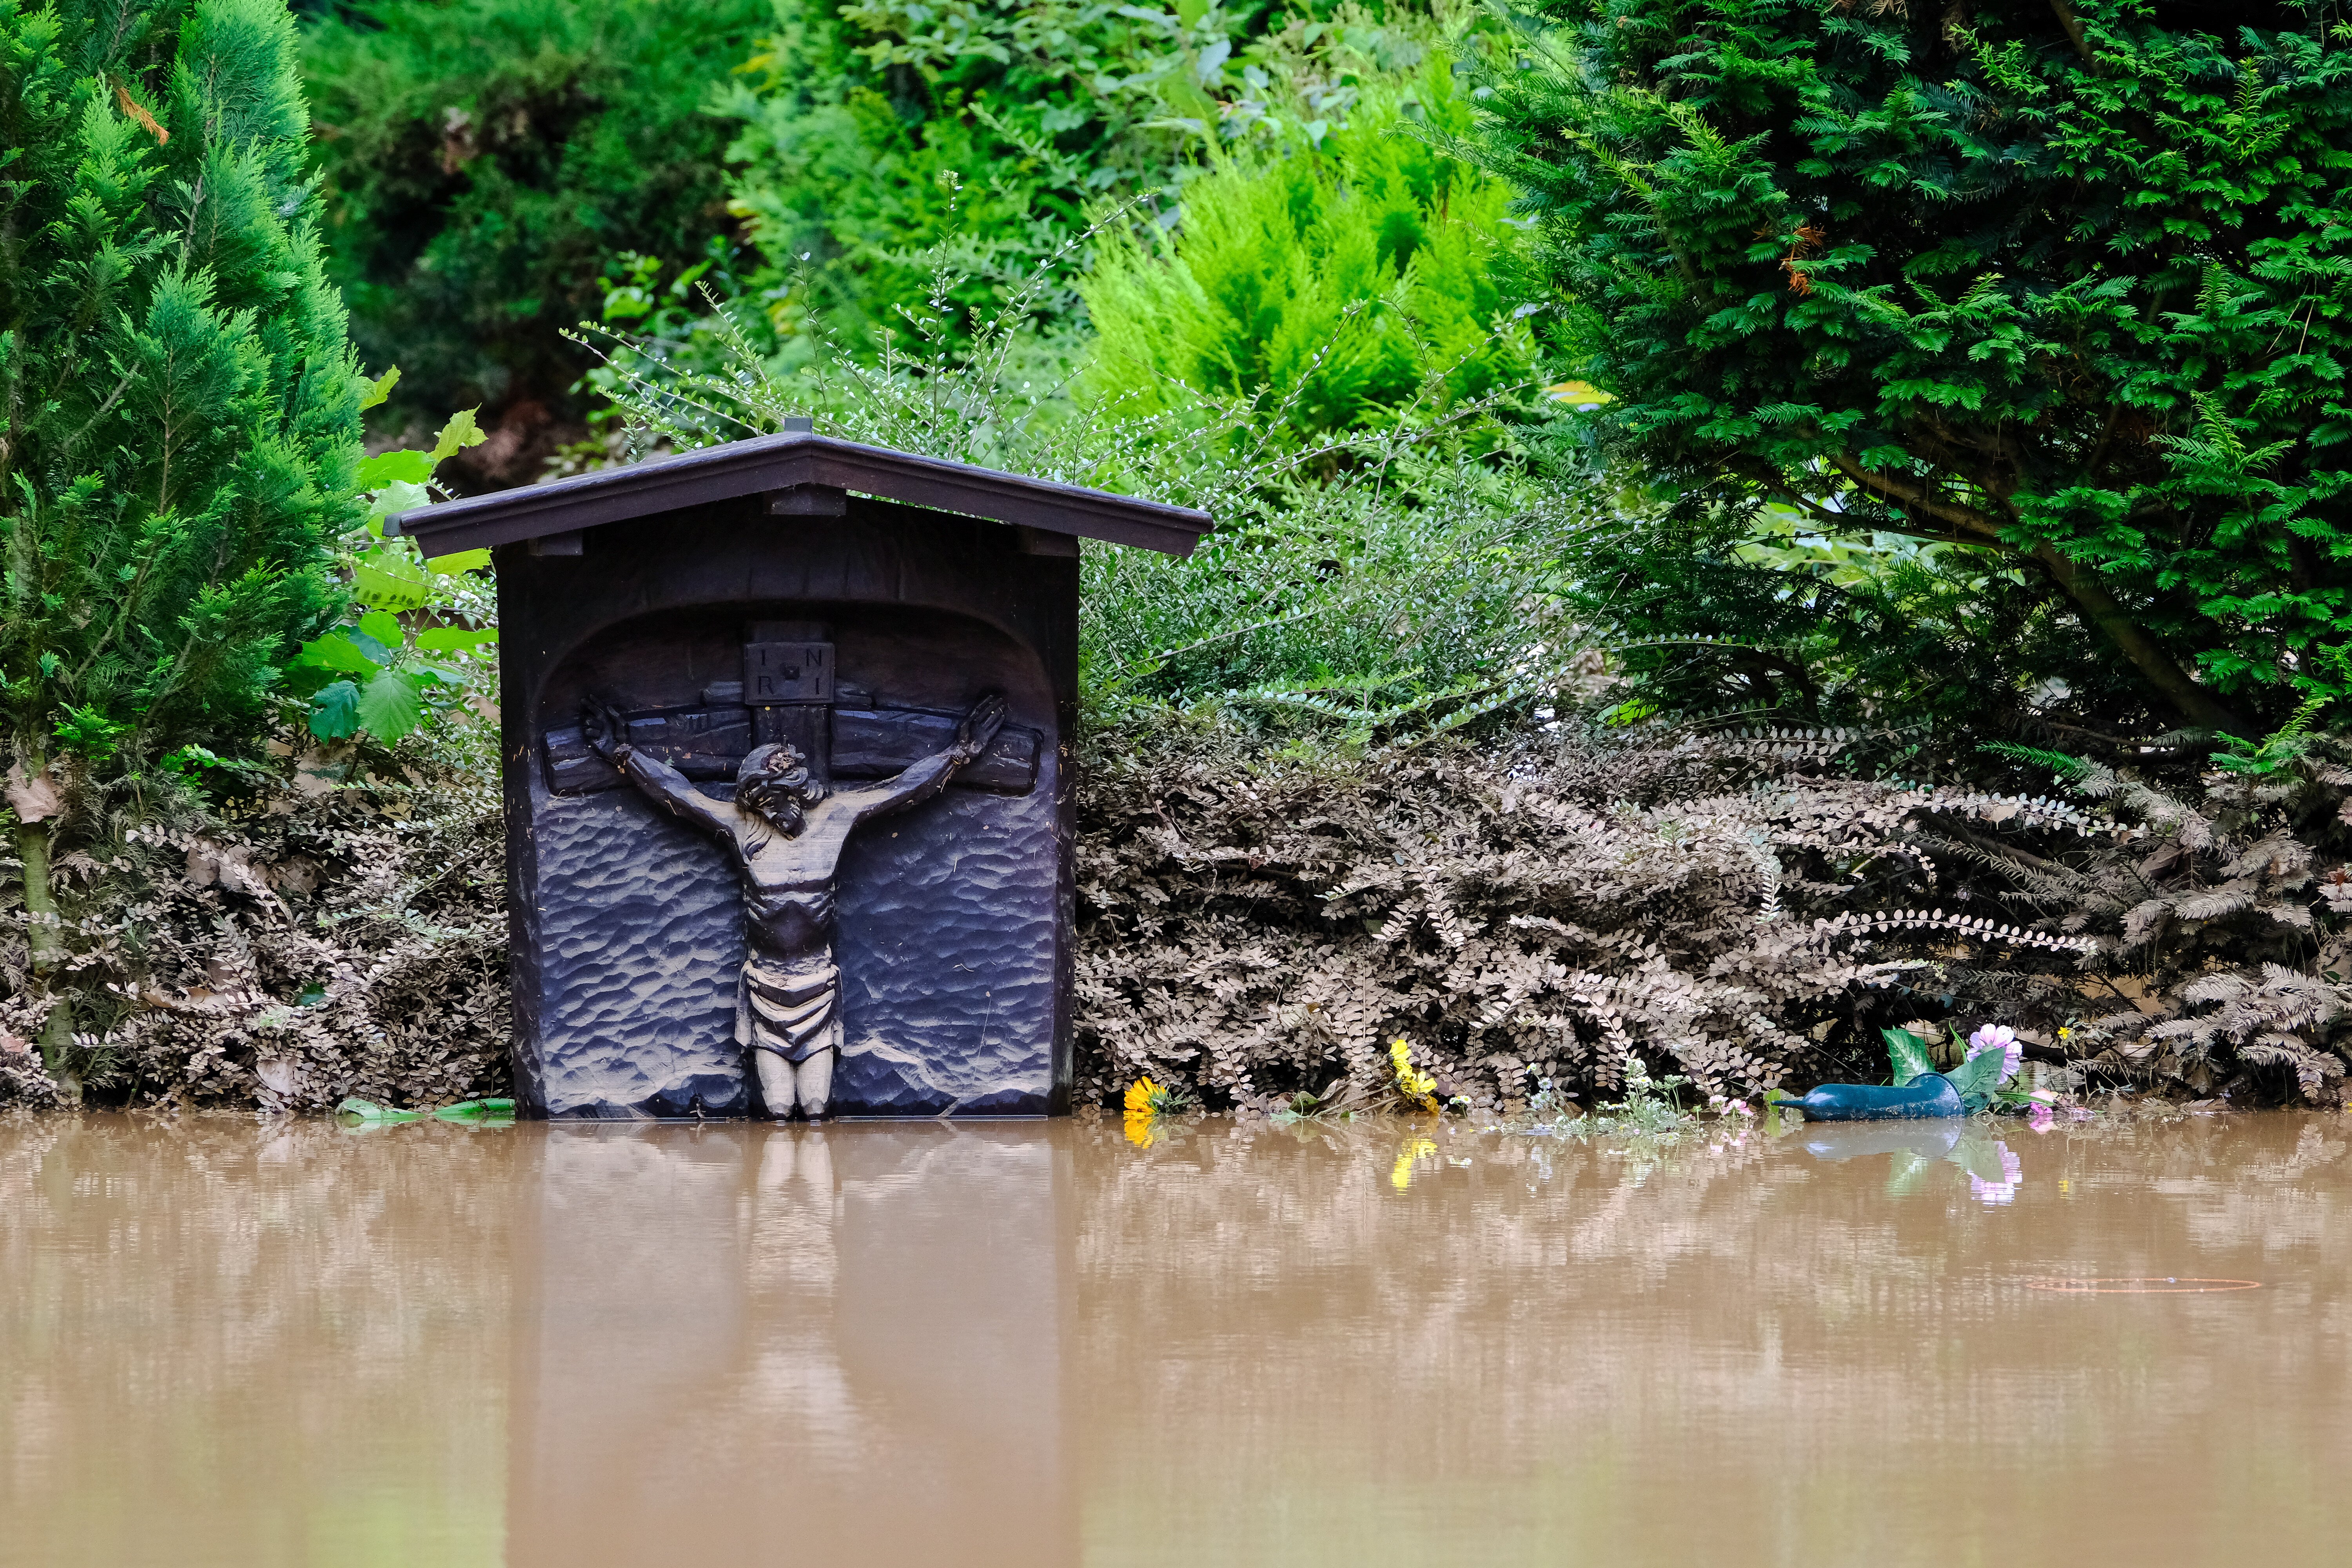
335	712
1977	1077
463	560
403	467
460	433
390	705
397	497
336	651
380	388
477	1111
1909	1055
450	639
369	646
303	681
390	581
384	626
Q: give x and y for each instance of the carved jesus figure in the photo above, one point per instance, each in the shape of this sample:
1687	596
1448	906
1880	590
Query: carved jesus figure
787	831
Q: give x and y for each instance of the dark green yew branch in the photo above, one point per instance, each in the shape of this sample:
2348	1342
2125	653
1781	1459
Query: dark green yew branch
1911	497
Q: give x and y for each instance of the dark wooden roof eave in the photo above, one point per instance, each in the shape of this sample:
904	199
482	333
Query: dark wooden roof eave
784	462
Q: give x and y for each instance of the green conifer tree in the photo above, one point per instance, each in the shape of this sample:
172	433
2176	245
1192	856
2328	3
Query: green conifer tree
2065	285
178	408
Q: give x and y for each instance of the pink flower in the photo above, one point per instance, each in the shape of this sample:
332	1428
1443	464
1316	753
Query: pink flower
2002	1038
2042	1118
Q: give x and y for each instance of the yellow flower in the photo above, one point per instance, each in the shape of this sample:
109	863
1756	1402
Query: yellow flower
1139	1129
1415	1149
1412	1084
1139	1095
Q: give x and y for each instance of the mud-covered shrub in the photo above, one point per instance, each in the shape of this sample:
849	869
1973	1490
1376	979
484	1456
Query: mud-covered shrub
1740	910
1746	910
326	939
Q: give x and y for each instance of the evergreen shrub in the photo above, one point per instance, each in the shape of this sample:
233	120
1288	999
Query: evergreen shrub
872	135
181	410
2066	284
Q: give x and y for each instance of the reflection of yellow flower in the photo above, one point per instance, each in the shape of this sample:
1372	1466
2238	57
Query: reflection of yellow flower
1139	1095
1414	1085
1139	1129
1414	1149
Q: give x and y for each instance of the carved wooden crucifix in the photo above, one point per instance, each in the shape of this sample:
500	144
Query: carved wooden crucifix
786	823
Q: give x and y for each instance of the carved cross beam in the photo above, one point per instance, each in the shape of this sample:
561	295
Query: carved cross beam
790	691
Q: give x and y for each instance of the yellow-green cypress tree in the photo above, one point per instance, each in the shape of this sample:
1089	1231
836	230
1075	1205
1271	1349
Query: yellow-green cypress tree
178	408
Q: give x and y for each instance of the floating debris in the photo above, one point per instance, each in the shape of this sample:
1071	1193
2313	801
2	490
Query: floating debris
477	1112
368	1113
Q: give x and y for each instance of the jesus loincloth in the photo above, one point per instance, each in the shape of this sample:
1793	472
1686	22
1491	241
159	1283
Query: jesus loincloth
794	1013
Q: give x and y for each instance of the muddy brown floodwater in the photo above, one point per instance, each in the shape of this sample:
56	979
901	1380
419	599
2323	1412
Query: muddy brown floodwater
224	1342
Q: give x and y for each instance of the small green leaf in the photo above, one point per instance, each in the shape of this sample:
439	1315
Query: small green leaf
450	639
403	467
379	389
384	628
398	496
336	651
1909	1055
335	712
463	560
390	705
460	433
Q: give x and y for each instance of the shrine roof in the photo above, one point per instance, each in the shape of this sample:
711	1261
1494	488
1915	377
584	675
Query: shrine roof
796	460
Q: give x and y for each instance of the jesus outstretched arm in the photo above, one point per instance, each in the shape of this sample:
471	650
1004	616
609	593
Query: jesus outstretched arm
663	785
924	779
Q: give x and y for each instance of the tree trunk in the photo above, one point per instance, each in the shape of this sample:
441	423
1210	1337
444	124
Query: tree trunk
2200	705
48	946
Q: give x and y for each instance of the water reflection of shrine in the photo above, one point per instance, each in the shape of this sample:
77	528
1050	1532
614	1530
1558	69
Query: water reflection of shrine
752	1344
